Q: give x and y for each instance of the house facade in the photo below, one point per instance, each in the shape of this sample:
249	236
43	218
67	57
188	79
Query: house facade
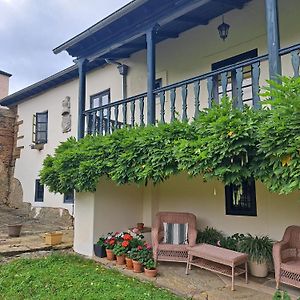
151	62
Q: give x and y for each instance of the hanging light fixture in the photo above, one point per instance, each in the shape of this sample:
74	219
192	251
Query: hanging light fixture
223	30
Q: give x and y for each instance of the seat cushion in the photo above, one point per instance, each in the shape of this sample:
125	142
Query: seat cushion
292	266
175	234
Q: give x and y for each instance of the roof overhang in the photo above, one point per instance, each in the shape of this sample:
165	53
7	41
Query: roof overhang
5	73
123	32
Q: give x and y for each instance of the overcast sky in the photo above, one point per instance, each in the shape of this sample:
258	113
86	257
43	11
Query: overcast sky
30	29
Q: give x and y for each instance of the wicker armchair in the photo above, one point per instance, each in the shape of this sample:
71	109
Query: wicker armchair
171	252
286	255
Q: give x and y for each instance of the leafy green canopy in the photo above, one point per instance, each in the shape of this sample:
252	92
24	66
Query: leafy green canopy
279	137
223	142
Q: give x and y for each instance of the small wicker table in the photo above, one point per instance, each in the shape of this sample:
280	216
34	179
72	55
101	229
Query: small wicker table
218	260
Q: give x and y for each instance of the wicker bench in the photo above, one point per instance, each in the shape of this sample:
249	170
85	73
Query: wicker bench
218	260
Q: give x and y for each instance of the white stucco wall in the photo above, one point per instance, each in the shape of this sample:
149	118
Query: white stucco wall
116	208
30	162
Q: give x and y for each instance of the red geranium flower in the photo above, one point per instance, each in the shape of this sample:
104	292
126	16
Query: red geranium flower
125	244
127	237
112	242
139	247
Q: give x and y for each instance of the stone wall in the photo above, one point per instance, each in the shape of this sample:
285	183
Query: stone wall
7	145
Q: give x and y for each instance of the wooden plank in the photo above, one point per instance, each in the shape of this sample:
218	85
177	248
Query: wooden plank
196	97
184	102
173	99
255	85
162	97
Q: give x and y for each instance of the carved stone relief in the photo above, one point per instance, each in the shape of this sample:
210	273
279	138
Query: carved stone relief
66	115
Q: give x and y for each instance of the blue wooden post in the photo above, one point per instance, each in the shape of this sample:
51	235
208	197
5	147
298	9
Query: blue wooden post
81	97
150	38
273	38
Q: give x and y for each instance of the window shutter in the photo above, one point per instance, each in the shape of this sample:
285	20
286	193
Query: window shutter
34	129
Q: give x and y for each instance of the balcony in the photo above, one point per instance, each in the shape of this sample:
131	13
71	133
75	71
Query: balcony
183	100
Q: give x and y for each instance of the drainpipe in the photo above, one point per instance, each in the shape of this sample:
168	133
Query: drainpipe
123	70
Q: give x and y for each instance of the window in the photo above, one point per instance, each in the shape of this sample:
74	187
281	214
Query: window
40	128
96	101
69	197
100	99
232	86
158	83
241	200
39	191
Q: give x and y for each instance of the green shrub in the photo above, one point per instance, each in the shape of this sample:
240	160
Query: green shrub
259	248
210	235
232	242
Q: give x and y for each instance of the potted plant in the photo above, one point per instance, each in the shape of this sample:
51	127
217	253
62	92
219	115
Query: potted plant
128	260
120	250
135	254
110	242
150	268
99	248
259	249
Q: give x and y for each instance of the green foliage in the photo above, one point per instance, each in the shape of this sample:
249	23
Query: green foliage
134	155
232	242
119	250
258	248
150	264
225	143
225	146
279	137
59	277
280	295
210	235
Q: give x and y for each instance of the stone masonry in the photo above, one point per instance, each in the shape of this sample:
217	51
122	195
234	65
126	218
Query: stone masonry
7	122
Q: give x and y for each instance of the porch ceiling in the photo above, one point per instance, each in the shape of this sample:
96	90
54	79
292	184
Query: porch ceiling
123	33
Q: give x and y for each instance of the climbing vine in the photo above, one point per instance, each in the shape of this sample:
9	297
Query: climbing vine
279	136
223	142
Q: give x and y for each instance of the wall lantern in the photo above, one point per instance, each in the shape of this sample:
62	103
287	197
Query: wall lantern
223	30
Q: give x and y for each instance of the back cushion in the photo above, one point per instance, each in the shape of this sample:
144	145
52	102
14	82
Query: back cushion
176	234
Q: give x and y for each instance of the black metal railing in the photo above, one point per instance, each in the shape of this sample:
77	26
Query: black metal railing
184	100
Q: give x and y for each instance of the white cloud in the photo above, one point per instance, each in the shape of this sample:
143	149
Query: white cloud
30	29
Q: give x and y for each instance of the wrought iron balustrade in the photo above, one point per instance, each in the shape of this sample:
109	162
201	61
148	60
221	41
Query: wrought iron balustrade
184	100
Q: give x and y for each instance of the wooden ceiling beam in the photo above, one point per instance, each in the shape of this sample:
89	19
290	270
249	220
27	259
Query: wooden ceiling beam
231	3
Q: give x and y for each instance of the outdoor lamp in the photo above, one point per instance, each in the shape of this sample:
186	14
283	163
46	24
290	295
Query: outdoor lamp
223	30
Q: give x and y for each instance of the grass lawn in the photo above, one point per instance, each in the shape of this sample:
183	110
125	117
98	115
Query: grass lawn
66	276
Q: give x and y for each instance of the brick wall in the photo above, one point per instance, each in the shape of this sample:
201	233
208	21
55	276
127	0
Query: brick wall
7	142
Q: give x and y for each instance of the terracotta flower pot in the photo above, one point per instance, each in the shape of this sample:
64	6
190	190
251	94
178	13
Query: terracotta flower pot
14	230
129	264
110	255
150	273
121	260
140	226
137	267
